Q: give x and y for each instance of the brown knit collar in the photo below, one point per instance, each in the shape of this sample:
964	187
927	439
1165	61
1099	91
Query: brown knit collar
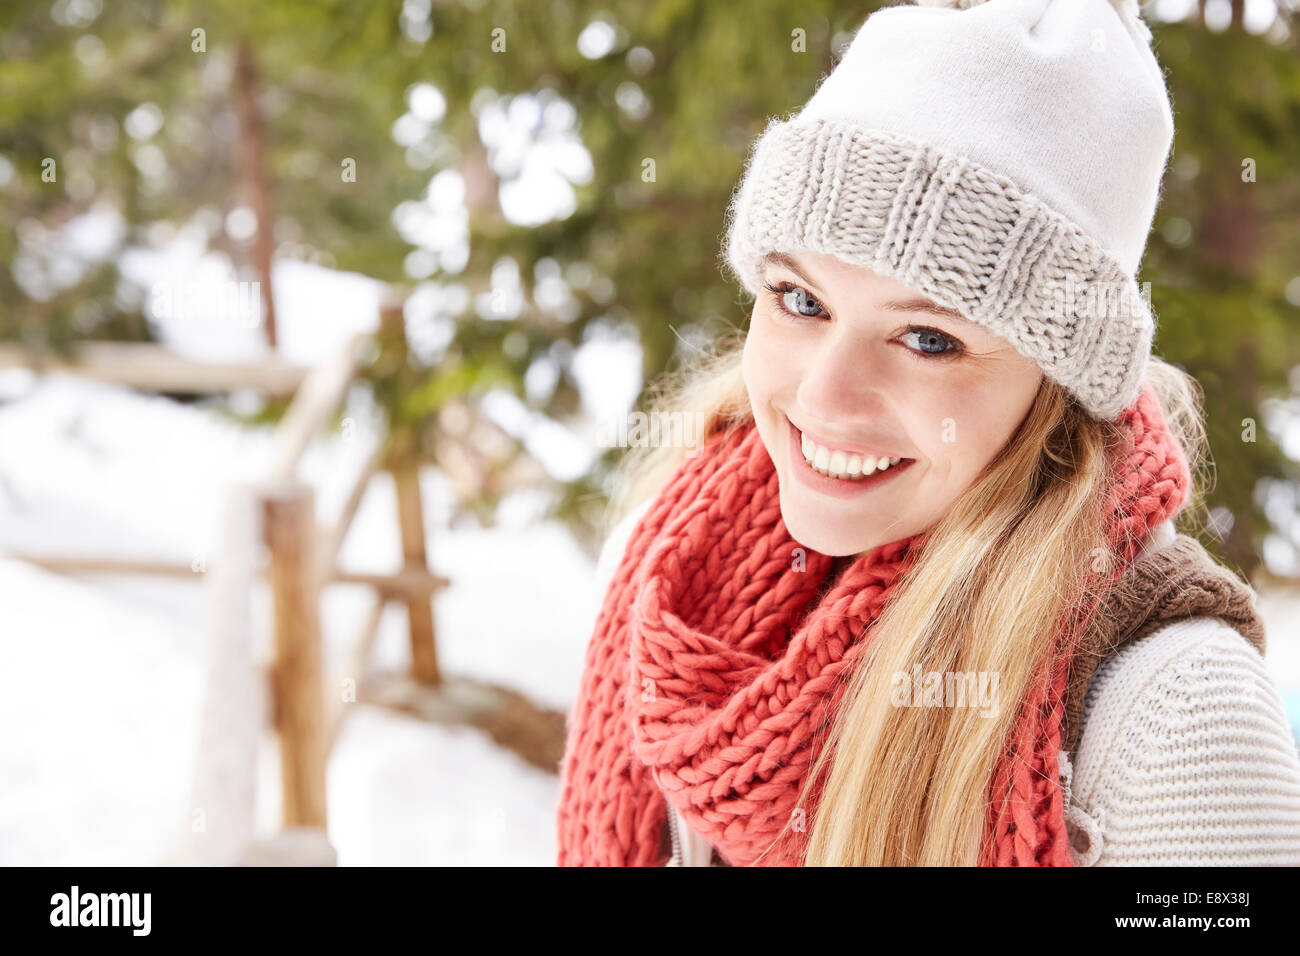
1165	584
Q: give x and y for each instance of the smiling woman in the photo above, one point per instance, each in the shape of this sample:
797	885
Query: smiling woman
921	458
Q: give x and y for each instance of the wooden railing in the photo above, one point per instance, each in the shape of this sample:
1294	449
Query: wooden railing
301	558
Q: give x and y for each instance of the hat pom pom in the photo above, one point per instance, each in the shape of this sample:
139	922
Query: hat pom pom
1128	9
1123	6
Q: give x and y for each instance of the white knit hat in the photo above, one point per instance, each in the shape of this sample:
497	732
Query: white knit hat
1003	157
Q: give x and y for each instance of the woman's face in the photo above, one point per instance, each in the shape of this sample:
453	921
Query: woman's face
861	368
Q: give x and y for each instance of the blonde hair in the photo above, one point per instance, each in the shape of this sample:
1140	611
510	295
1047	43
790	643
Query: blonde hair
1009	558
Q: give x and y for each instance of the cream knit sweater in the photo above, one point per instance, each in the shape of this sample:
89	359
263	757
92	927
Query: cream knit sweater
1184	757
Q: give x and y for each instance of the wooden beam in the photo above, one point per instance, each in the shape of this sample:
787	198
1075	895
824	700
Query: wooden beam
533	731
332	537
419	607
337	708
289	516
94	564
149	366
223	794
412	582
311	408
297	846
403	463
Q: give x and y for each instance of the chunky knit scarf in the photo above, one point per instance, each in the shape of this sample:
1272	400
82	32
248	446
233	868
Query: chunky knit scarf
717	660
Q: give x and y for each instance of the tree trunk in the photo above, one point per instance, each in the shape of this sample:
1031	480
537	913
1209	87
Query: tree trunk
256	182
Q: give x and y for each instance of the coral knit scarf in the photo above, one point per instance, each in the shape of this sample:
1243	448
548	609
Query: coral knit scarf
716	662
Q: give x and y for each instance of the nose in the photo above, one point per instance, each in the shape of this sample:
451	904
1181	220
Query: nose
844	381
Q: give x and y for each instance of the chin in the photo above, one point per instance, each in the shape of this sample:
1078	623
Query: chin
820	535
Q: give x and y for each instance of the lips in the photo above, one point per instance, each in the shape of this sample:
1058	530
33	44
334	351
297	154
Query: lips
836	487
868	459
845	447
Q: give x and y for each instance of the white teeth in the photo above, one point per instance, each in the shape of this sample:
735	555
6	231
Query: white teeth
840	464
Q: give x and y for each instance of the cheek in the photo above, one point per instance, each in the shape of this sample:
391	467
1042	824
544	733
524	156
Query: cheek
769	364
960	438
748	364
756	365
990	415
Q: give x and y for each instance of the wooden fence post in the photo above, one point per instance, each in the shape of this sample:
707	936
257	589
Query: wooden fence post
289	515
403	464
224	789
419	607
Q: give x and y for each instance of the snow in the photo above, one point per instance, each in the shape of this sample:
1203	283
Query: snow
99	721
107	672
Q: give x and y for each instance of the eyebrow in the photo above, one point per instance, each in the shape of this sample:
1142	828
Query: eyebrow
918	304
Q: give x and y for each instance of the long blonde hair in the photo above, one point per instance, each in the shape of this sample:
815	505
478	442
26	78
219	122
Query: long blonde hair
1009	558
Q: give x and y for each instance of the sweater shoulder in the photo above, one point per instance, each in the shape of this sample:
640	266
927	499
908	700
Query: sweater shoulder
1185	755
611	552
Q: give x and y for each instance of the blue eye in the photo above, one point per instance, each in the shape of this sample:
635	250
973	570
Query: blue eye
933	342
792	300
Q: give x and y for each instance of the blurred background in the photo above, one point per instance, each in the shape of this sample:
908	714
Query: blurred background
312	318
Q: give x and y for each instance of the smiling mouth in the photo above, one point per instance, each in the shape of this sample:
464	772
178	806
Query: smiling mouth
840	464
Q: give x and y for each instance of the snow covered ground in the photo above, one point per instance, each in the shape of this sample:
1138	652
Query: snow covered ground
105	674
